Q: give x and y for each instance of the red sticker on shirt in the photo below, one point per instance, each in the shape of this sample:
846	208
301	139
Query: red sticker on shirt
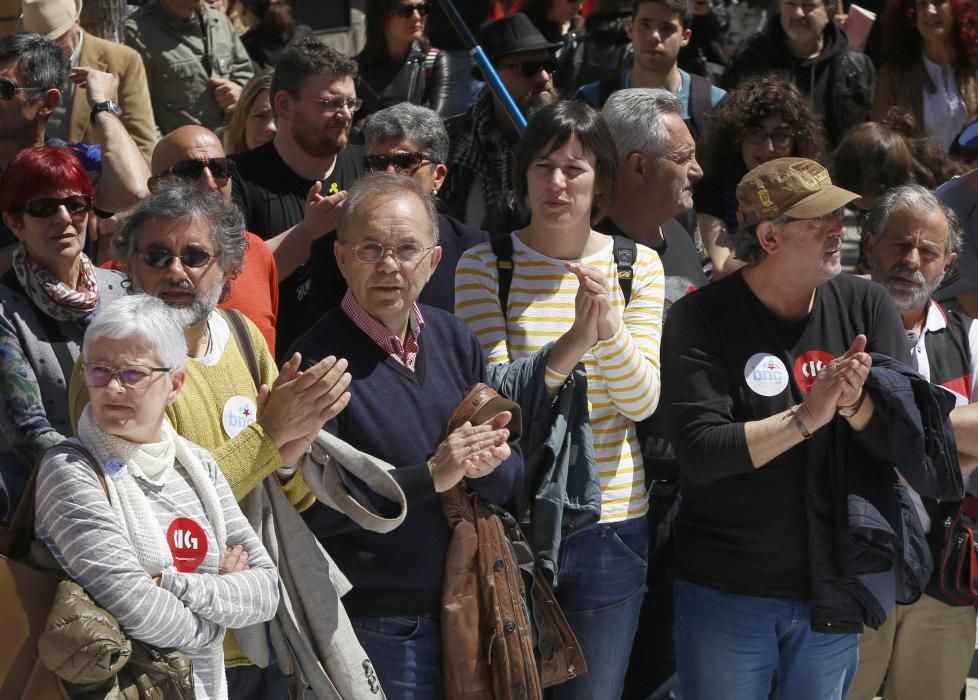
808	366
188	544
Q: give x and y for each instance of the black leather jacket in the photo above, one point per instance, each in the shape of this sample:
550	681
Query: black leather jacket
422	79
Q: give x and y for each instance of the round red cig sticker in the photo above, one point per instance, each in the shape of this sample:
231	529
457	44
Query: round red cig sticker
187	543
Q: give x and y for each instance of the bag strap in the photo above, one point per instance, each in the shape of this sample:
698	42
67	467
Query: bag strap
17	536
700	103
625	252
239	329
502	248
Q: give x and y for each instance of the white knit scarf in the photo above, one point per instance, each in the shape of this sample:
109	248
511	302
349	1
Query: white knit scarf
150	463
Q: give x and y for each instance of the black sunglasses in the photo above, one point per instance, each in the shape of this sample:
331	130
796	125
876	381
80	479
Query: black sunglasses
531	68
8	89
403	162
159	258
191	169
405	11
48	206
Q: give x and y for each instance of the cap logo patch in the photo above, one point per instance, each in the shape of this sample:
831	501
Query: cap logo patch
765	198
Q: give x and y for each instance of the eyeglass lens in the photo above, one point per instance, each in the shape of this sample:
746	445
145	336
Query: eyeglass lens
191	169
401	161
403	252
406	10
336	103
758	135
531	68
100	375
163	258
48	206
8	89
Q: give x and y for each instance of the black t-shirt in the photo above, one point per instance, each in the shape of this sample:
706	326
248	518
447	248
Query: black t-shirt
729	360
273	199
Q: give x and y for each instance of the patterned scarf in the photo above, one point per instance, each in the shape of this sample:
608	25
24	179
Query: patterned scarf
484	150
51	295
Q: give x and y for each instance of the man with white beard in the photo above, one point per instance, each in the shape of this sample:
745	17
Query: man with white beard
924	649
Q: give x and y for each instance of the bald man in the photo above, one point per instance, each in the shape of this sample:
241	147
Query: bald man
195	154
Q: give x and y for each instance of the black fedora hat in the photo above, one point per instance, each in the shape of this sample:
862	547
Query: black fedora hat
511	34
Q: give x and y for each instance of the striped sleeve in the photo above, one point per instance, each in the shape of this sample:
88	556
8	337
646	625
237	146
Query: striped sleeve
477	301
629	360
230	600
76	522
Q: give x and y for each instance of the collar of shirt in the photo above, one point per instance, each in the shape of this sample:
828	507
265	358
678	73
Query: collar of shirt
405	353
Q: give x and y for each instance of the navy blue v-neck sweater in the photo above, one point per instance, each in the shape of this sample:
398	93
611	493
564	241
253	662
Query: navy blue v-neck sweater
399	415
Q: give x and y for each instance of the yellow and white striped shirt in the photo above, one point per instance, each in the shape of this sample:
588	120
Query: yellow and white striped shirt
622	371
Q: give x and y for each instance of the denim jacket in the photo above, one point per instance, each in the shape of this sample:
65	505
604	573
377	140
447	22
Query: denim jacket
561	484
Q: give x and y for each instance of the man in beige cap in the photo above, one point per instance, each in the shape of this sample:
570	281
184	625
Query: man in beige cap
57	20
754	365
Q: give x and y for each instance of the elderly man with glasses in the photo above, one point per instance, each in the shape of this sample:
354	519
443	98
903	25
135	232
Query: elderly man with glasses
411	365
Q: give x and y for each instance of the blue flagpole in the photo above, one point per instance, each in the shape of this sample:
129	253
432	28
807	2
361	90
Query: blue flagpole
480	59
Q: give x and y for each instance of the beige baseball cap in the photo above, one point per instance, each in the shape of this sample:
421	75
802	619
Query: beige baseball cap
49	18
794	187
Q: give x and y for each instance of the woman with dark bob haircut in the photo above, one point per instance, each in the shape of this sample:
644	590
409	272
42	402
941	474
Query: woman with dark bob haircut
397	63
765	117
926	67
565	306
47	301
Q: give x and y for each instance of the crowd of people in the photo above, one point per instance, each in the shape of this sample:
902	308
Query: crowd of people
247	282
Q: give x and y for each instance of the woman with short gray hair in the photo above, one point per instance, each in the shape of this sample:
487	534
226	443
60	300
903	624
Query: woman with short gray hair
161	543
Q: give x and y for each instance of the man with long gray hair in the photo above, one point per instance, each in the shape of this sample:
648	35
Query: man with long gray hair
924	649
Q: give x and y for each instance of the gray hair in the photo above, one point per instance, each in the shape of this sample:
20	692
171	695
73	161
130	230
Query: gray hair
141	316
746	247
365	192
916	198
177	200
635	118
407	121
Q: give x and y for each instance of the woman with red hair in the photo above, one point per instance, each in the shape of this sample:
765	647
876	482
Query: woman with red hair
926	68
47	300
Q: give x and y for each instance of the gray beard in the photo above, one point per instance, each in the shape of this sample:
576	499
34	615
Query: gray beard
200	308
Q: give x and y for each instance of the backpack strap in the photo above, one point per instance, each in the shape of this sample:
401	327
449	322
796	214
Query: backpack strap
502	248
239	329
700	103
625	252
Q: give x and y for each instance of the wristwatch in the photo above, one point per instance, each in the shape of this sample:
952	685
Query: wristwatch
107	106
850	411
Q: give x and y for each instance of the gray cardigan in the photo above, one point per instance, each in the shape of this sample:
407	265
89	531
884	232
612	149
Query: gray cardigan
37	354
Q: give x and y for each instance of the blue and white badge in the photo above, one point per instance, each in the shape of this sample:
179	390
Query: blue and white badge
766	374
114	468
239	412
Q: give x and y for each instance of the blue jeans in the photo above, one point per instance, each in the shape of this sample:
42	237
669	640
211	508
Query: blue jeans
738	647
254	683
406	654
600	587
